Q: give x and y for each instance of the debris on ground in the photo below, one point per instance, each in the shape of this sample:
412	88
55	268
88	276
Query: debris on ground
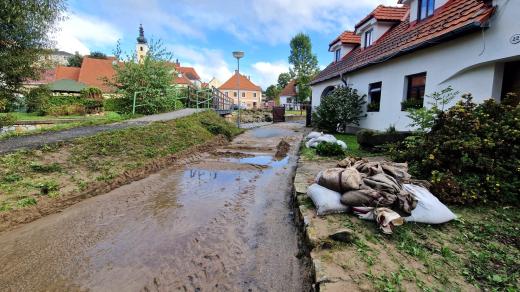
315	138
382	191
282	148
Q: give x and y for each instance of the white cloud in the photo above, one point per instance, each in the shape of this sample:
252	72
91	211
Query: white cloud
79	32
276	21
266	73
208	63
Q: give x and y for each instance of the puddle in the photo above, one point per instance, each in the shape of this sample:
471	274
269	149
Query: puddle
264	160
270	132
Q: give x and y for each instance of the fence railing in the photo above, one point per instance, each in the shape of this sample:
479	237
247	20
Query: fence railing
192	97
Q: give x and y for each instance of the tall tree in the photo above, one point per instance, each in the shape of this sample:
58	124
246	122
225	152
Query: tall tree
98	55
151	81
75	60
304	64
24	38
284	79
272	92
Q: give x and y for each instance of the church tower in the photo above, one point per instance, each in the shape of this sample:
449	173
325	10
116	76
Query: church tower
142	45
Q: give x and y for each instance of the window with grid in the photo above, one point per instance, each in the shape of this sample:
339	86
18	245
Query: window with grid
415	91
368	38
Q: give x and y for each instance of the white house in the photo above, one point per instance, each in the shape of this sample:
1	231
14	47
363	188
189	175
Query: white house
403	54
288	96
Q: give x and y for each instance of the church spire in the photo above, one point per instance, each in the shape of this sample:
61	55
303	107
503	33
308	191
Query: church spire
141	39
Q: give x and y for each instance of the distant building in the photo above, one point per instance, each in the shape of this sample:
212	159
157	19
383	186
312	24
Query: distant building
186	76
250	93
288	96
141	47
214	82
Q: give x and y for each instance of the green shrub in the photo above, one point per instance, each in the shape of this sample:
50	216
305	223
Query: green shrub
6	120
338	109
37	100
114	104
45	168
329	149
471	154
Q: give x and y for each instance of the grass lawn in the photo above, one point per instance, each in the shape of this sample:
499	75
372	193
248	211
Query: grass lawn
27	175
109	117
295	113
353	148
478	251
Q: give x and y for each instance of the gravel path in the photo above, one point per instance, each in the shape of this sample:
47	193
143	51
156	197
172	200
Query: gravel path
33	141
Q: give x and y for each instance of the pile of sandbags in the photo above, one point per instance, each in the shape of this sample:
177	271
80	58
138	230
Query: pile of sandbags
315	138
377	190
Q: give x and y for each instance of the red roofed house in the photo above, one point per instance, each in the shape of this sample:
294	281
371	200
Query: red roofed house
398	56
250	94
186	76
288	96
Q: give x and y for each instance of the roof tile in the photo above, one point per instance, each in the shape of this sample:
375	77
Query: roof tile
245	83
453	17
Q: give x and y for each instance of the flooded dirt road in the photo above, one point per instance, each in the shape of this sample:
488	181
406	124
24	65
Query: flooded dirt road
221	223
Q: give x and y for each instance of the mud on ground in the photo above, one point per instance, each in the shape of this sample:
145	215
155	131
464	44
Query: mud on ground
215	223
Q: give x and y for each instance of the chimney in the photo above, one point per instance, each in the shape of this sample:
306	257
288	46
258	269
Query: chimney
236	72
177	63
249	77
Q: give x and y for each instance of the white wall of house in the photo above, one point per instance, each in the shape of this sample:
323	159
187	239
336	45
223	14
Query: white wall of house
470	64
378	28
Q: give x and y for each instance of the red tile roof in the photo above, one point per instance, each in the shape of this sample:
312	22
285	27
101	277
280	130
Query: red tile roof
245	83
180	78
189	72
386	13
289	89
63	72
347	37
454	18
93	71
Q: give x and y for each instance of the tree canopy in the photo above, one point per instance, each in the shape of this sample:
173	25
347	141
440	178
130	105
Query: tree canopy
152	80
24	38
304	64
75	60
272	92
98	55
284	79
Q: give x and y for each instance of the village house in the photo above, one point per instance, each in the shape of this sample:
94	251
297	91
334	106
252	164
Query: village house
94	71
250	93
398	56
288	96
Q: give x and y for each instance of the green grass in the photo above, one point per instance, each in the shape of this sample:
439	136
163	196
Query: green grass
70	167
295	113
353	148
108	118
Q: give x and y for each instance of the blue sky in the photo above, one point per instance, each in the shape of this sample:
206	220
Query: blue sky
203	33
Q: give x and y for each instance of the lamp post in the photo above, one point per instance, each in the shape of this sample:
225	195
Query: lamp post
238	55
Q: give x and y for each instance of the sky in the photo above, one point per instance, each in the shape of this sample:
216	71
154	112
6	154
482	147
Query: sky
204	33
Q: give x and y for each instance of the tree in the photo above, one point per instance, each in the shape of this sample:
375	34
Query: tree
338	109
152	81
284	79
272	92
75	60
304	64
24	38
97	55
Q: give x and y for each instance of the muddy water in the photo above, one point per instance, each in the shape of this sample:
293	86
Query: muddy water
220	224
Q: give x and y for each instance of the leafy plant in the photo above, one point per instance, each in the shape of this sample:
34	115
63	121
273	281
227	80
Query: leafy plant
411	104
423	118
329	149
6	120
47	187
37	100
45	168
75	60
471	154
29	201
373	107
340	108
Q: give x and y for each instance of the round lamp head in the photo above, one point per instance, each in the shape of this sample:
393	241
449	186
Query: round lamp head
238	54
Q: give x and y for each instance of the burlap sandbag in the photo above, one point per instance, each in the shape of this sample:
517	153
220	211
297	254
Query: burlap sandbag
340	179
368	197
383	182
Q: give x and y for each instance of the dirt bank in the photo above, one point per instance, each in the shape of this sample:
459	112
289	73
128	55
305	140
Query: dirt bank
216	223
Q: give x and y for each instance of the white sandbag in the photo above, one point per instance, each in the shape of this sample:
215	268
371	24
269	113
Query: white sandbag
342	144
311	143
327	138
429	209
313	135
325	200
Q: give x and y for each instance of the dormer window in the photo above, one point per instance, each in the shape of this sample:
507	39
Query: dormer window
368	38
426	9
337	55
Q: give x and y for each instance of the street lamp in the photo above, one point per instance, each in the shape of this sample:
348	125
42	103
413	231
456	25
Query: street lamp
238	55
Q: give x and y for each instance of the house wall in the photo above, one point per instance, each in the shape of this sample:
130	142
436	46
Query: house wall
470	64
249	98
